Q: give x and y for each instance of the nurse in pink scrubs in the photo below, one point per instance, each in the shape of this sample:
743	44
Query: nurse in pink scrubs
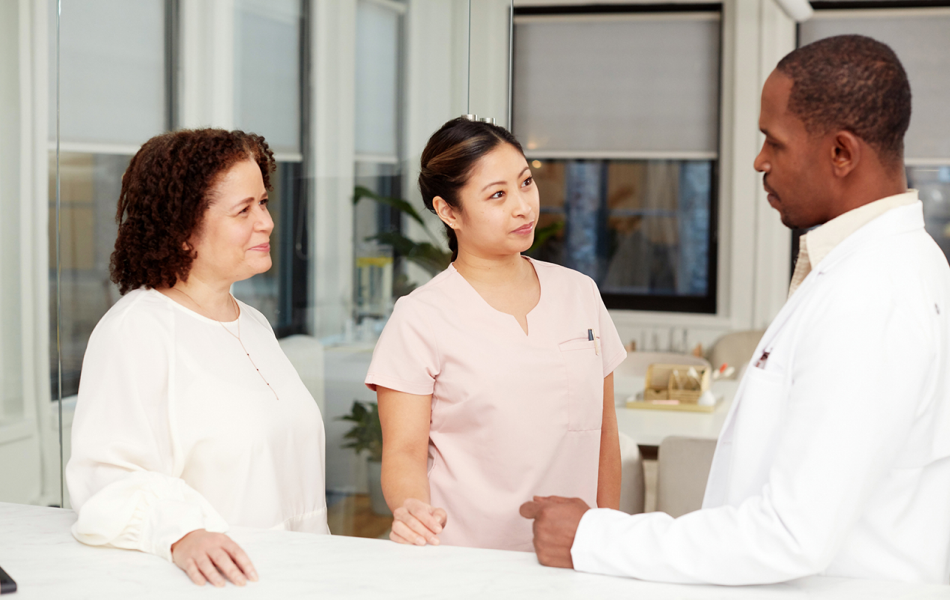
494	379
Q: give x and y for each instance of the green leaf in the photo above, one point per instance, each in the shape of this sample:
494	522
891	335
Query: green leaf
398	203
428	256
367	432
543	234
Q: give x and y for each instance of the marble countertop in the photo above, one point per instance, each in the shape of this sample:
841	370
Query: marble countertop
37	550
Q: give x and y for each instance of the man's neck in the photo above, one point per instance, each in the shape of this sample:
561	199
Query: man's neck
866	188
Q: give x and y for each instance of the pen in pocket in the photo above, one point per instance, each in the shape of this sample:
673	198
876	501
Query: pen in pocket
592	338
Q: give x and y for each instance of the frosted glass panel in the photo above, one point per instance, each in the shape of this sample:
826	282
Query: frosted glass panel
11	240
112	65
631	83
922	42
267	71
377	65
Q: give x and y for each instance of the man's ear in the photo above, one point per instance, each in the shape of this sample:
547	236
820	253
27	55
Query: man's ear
847	151
445	212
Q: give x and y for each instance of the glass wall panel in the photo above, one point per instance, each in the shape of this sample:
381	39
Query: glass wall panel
20	450
347	94
112	71
267	75
933	184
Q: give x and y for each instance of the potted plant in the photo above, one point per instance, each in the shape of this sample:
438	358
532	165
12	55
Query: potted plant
366	435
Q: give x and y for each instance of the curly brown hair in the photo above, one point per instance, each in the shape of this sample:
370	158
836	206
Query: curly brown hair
165	193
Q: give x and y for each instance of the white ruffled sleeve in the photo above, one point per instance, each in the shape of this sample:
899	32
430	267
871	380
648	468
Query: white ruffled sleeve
122	475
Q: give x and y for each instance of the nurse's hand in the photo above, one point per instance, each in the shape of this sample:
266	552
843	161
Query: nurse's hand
555	524
415	522
204	555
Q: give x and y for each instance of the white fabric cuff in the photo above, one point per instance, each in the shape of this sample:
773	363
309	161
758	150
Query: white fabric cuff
587	537
145	511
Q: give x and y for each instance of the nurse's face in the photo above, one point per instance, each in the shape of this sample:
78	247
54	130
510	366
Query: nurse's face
233	241
499	206
797	181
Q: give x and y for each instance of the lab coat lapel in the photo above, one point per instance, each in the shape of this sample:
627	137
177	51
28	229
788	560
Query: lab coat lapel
768	342
720	476
894	222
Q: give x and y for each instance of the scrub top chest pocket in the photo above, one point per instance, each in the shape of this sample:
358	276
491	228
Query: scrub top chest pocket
584	369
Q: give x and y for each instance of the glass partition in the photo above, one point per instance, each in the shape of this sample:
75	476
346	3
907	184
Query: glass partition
21	457
346	94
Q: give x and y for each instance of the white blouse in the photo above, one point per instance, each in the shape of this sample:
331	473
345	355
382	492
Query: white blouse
175	430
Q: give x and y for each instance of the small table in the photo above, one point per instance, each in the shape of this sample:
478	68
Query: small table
649	427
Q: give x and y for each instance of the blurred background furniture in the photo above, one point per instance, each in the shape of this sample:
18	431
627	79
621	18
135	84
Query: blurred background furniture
682	470
632	485
630	374
306	355
735	349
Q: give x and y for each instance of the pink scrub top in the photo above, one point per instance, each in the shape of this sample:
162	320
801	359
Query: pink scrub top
513	415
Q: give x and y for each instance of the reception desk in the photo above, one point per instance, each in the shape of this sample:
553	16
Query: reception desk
37	550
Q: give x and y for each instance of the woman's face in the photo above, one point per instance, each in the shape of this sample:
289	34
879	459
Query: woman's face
233	241
499	205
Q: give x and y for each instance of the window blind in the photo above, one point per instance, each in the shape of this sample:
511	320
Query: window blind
112	71
377	67
623	86
267	71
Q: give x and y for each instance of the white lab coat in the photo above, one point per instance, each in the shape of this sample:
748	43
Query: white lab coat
835	457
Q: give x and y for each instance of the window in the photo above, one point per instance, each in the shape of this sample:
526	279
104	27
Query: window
378	41
269	54
117	66
112	98
617	109
921	39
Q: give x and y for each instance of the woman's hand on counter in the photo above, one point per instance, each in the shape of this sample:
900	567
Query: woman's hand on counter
417	523
204	556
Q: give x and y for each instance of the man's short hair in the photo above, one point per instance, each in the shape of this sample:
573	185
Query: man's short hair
851	83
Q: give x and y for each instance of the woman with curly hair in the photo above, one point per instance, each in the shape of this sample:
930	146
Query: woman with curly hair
190	418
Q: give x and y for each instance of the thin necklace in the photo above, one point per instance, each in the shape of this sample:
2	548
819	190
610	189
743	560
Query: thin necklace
237	337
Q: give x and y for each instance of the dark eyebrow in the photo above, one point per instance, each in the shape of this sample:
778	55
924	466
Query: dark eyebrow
501	182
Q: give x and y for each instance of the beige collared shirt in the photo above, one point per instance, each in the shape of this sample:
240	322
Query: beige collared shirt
815	245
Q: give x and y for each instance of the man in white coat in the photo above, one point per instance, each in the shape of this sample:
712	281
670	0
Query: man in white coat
835	457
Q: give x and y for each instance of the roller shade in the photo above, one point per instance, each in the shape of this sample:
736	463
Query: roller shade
377	66
112	71
921	39
630	85
267	71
